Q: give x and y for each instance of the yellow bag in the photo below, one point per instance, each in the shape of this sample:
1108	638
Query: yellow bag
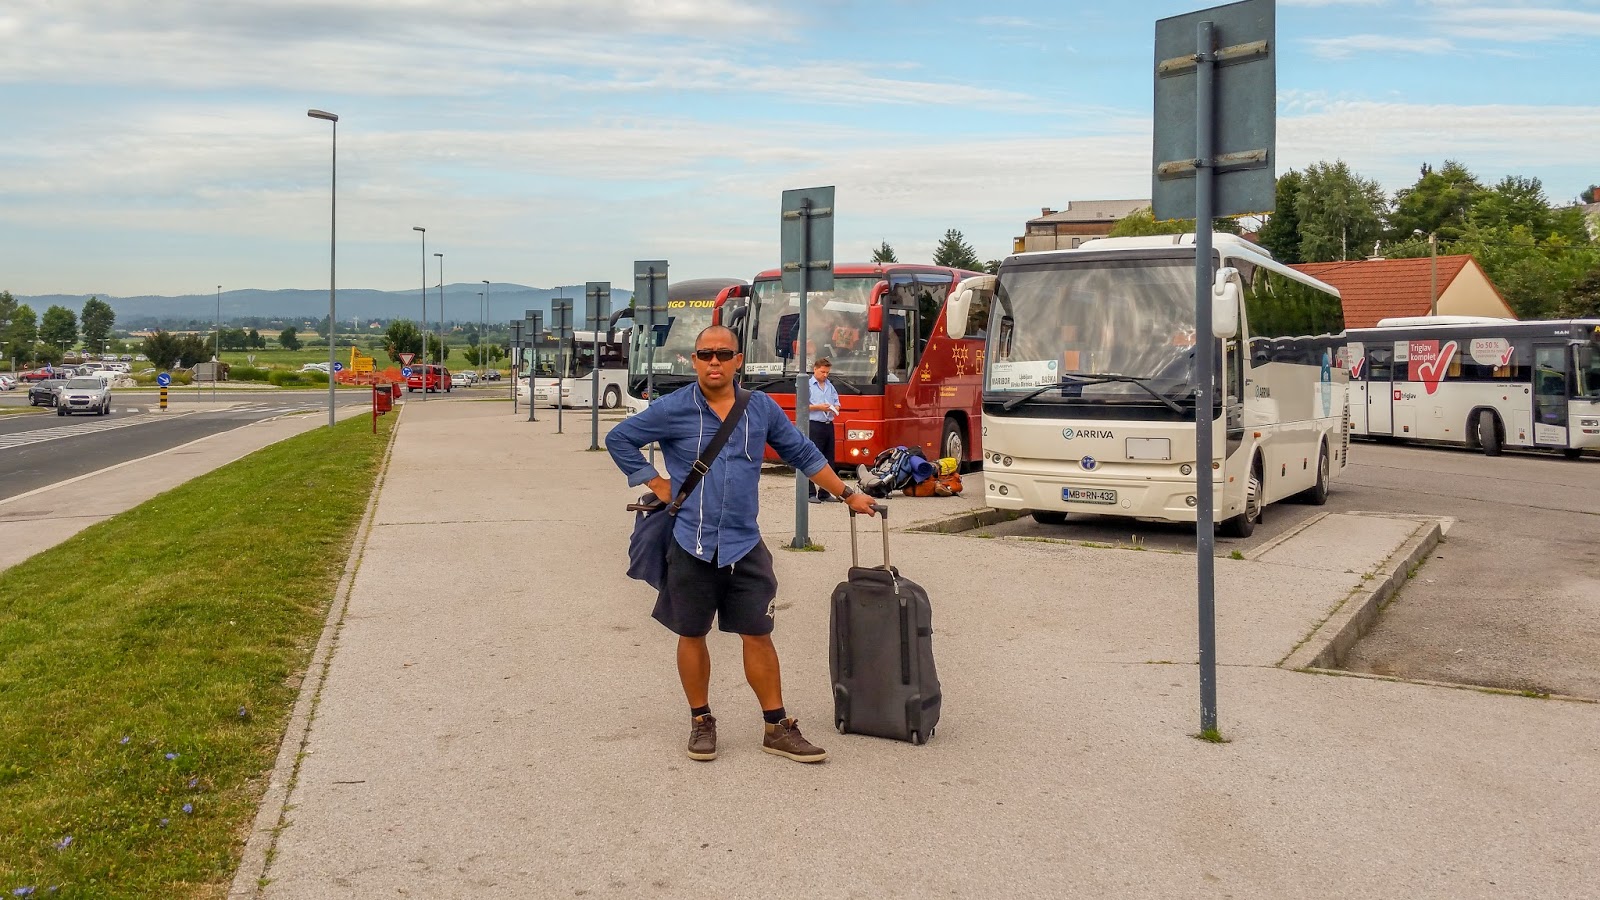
949	465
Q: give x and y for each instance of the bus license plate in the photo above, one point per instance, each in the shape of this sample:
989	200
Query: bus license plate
1088	495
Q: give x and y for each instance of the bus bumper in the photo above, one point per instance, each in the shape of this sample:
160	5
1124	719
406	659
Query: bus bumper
1148	497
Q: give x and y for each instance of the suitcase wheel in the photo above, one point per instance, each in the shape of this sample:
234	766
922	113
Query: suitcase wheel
839	724
916	738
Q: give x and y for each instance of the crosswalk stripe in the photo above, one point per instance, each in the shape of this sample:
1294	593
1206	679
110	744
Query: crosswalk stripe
40	435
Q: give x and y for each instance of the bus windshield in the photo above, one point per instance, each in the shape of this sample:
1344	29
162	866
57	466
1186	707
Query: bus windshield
1589	370
836	322
544	360
1069	324
674	352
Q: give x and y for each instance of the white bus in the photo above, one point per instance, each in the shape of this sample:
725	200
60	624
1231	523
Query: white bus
691	306
1480	383
1089	404
576	384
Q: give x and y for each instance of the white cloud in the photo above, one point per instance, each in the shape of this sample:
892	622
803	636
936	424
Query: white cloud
1520	24
1346	47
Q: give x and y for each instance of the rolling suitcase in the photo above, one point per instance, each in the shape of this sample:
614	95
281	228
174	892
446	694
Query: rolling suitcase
880	651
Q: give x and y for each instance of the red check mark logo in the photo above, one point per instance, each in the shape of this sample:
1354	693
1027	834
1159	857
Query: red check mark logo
1355	370
1431	372
1505	358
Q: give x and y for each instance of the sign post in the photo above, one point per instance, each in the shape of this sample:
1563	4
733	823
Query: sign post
516	356
163	380
650	283
533	336
598	293
1215	114
561	330
806	230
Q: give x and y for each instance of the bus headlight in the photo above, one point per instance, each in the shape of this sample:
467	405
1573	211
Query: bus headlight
1589	423
858	434
1006	461
1186	469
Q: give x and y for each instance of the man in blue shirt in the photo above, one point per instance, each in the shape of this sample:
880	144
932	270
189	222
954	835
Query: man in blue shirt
824	407
717	566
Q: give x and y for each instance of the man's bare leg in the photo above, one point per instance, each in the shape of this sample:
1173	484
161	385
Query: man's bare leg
694	670
761	670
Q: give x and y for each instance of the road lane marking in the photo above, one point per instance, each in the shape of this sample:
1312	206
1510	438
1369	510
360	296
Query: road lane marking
41	435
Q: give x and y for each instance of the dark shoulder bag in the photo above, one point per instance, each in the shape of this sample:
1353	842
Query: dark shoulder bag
653	520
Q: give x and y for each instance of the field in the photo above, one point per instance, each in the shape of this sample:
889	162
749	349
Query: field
294	359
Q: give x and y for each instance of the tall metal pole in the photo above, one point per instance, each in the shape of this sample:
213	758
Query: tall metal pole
1204	378
516	346
802	389
333	219
422	320
441	322
483	328
216	368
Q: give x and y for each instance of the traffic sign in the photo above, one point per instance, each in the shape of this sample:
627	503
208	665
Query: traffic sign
406	371
338	366
406	358
163	379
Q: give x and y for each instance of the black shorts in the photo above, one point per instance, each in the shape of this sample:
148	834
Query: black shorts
740	596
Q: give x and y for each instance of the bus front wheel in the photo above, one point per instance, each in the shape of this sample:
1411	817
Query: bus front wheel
1488	433
612	399
1317	494
954	443
1244	524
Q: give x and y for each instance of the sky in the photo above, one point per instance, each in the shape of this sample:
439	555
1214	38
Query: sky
163	147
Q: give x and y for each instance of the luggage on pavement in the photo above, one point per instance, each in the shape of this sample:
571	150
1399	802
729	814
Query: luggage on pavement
937	486
880	651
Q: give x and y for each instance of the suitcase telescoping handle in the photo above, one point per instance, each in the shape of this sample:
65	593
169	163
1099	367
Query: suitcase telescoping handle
883	513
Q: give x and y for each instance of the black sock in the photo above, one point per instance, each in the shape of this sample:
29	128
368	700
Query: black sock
699	711
774	716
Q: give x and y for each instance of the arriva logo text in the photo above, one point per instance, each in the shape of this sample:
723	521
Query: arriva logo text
1070	433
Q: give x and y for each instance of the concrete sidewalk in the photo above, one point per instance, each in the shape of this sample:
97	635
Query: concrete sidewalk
502	719
38	520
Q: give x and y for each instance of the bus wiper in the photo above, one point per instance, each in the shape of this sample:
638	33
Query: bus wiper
838	382
1069	379
766	383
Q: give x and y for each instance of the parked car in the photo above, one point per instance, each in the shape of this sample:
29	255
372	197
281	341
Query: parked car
467	377
429	379
43	393
8	383
125	357
140	358
492	375
38	375
88	394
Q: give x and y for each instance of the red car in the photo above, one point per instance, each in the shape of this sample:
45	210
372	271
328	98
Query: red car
429	379
41	375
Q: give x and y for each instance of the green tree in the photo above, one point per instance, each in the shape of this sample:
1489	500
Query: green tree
59	328
192	349
21	331
322	327
1589	195
438	350
1512	202
256	341
235	339
162	348
1340	212
1281	234
1439	203
402	336
96	322
1582	300
884	254
8	312
993	266
954	251
1143	223
289	339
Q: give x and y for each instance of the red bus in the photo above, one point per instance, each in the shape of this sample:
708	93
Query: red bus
902	380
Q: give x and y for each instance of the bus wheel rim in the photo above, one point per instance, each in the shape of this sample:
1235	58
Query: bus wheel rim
952	445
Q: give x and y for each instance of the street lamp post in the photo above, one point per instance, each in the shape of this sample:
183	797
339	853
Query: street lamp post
216	353
333	199
480	337
483	326
440	361
422	321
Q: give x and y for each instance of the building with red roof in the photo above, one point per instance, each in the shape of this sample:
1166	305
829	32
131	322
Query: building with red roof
1375	289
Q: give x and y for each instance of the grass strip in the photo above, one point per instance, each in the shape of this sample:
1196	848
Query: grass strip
148	666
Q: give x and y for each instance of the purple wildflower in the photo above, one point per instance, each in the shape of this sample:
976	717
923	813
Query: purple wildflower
188	808
163	822
64	843
125	739
24	891
194	782
172	756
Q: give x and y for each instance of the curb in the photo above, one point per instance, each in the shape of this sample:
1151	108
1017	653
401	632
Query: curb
967	521
263	839
1328	645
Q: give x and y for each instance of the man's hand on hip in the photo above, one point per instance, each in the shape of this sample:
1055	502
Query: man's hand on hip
661	487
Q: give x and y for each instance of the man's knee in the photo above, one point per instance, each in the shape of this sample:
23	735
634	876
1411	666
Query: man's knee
757	641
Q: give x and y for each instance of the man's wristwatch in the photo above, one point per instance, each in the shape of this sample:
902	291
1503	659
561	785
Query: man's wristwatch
848	492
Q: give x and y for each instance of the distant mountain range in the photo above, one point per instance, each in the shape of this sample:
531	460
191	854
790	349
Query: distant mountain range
461	304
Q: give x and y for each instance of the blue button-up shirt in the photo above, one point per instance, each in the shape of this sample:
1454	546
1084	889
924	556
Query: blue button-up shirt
719	519
823	392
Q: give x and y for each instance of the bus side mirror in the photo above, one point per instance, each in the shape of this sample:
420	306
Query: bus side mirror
960	305
875	306
1225	303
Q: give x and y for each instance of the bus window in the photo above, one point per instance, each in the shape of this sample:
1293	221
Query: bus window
1588	368
1550	385
978	315
1380	365
931	293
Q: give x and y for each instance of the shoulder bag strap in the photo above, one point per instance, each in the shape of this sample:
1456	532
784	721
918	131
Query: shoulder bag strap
702	465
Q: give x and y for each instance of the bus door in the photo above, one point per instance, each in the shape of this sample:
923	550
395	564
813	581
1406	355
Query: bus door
898	344
1551	391
1379	379
931	364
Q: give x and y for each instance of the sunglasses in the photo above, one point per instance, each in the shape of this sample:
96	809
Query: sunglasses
721	354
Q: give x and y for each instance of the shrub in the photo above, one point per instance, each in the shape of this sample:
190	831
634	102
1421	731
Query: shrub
284	378
247	373
315	377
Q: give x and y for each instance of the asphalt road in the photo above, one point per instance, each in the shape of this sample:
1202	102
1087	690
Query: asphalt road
43	448
1511	599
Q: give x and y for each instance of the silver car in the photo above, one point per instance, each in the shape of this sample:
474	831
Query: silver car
84	394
